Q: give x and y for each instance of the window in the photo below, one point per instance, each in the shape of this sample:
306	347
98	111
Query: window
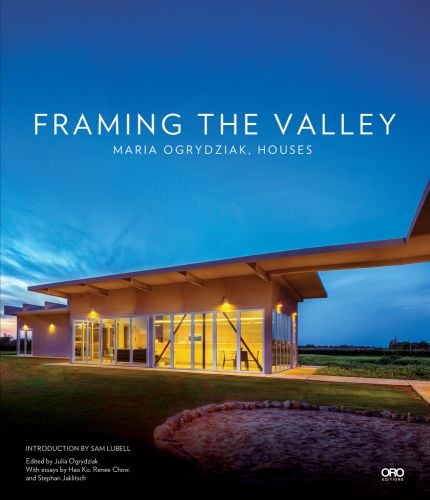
281	341
79	331
139	341
202	340
182	340
122	326
251	340
24	344
108	340
226	327
93	341
162	328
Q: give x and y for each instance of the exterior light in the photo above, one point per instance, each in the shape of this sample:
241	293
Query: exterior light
279	307
225	305
25	327
93	314
51	328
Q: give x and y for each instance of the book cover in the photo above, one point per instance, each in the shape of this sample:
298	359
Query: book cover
215	247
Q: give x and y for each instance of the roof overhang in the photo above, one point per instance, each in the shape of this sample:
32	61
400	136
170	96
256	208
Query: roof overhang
34	310
296	268
421	222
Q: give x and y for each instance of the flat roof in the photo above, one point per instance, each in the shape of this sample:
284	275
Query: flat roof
296	269
32	309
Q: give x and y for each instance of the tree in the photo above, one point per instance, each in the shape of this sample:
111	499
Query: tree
7	342
393	343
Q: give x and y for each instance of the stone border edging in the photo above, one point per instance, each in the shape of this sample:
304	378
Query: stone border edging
163	434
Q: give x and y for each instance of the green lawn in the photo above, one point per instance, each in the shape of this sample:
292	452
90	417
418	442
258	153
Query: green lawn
401	367
53	404
106	397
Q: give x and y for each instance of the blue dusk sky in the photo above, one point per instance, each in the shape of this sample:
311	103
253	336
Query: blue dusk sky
71	209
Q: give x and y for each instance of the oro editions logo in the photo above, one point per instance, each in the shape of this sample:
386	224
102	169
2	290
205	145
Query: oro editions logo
392	474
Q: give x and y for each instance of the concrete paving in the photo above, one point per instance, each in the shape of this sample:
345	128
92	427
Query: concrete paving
353	380
422	387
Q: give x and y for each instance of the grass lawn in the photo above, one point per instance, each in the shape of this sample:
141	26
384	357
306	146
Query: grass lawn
43	404
108	397
402	367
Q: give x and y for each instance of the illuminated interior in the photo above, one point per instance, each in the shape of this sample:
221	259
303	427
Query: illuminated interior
123	340
199	339
281	341
182	340
226	340
108	341
251	335
204	341
162	348
79	334
93	341
139	340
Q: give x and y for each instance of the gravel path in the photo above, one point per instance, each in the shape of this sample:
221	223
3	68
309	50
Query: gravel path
246	443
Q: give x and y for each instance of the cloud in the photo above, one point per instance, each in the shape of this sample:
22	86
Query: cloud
365	306
45	249
38	250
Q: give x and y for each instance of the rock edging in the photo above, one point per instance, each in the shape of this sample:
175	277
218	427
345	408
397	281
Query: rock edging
164	433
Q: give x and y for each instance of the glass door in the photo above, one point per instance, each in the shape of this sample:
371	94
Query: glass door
162	347
226	341
29	343
251	340
203	341
108	341
122	340
182	340
21	342
24	345
139	341
79	334
94	341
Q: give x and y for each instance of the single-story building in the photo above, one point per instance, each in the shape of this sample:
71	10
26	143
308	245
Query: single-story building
238	314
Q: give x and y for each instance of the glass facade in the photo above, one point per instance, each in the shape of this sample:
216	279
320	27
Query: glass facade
24	345
182	342
251	326
204	340
93	339
29	343
294	344
122	328
108	341
139	341
281	342
79	335
226	340
162	347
